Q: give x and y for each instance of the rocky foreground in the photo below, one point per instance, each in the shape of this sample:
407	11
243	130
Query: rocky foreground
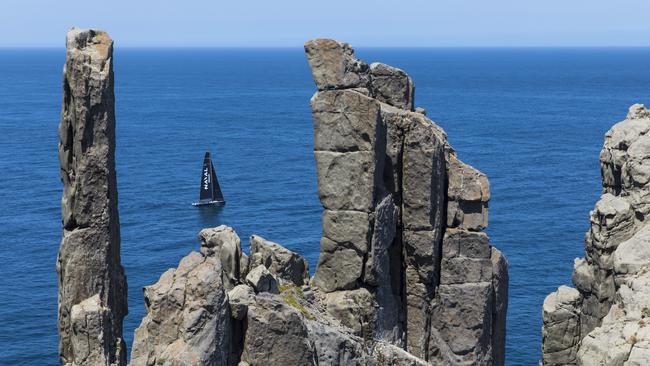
605	319
405	274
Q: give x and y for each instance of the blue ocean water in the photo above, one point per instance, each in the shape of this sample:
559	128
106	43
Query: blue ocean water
532	119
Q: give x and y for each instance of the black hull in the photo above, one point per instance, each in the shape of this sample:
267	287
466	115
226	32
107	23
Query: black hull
208	203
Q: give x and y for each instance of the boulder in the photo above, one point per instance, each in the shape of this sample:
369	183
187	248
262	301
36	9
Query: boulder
224	242
285	265
276	335
262	280
239	298
391	85
188	319
334	66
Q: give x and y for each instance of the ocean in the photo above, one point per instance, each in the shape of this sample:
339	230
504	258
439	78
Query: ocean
532	119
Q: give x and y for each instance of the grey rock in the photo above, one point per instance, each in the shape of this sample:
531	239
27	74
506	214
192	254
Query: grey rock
90	326
383	171
349	229
561	329
603	323
262	280
355	310
346	180
423	174
633	254
243	265
391	85
500	280
223	242
334	66
338	268
276	335
188	319
88	263
239	298
284	264
385	354
463	243
344	121
461	325
469	193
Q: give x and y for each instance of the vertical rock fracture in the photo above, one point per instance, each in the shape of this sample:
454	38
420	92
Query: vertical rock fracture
605	319
403	258
92	285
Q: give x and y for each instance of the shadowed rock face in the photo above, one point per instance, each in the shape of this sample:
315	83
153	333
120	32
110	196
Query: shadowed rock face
92	285
402	258
603	321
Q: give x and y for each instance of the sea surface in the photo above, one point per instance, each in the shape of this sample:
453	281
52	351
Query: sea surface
532	119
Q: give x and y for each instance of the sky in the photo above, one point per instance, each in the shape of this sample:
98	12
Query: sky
289	23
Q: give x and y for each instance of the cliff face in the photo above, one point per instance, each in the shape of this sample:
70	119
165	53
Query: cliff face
603	320
402	218
92	286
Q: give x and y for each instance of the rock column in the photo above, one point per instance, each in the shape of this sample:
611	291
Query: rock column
92	285
392	188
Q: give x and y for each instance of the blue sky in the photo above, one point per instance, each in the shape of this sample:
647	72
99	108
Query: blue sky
288	23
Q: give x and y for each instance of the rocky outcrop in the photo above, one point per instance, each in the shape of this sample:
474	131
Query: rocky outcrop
92	285
188	319
193	320
403	259
603	322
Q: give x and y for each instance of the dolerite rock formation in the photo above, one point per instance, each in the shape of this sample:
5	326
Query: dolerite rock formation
92	285
194	319
403	259
604	320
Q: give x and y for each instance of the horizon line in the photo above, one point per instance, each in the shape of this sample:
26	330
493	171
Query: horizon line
355	46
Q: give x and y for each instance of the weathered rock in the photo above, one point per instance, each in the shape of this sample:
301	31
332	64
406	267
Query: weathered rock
500	280
239	298
284	264
334	66
561	331
624	336
90	327
355	310
276	335
88	263
224	242
382	179
344	121
262	280
391	85
469	192
188	318
604	324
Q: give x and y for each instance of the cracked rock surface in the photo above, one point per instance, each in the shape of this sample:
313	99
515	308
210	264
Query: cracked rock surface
91	277
604	320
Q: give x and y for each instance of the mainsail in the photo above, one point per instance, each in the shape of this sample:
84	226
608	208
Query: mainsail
210	191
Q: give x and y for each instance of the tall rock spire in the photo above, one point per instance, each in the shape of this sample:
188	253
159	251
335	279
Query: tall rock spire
92	285
403	259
